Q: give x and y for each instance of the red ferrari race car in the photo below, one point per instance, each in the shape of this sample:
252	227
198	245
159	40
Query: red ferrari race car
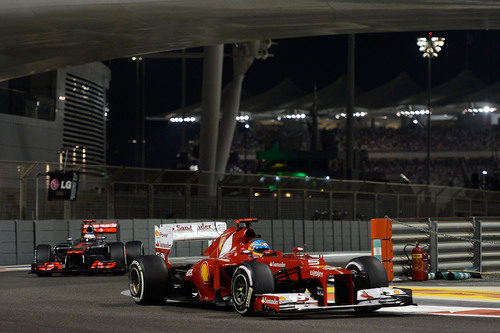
245	272
89	254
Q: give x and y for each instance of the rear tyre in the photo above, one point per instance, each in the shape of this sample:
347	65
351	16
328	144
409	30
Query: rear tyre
368	272
249	279
149	281
43	254
133	249
117	253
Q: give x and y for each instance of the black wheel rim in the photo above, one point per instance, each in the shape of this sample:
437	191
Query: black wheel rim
135	282
240	289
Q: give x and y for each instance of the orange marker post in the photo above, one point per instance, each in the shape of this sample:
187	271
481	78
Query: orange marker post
381	235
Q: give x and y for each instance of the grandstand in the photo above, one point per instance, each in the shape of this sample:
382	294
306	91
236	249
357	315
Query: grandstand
390	133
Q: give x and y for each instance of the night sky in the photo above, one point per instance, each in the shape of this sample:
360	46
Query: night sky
307	61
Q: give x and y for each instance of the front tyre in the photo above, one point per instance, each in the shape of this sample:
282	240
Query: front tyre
149	281
43	254
368	272
249	279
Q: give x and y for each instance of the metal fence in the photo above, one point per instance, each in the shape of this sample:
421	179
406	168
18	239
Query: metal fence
125	192
453	244
18	238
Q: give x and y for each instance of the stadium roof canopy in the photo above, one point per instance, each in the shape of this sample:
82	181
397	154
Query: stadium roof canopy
449	92
332	95
389	94
41	35
401	93
272	99
489	94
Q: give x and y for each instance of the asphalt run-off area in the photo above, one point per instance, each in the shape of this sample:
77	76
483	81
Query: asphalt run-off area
102	303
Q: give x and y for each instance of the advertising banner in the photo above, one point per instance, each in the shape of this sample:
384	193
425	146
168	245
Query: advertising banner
63	185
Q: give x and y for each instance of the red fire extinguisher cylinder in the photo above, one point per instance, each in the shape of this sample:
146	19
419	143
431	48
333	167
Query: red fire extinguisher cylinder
419	264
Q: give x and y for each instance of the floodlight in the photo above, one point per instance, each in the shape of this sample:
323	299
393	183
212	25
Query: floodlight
430	46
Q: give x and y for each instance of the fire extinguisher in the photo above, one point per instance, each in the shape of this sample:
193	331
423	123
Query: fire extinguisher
419	264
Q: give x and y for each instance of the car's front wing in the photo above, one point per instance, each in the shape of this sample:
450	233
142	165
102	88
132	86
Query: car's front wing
57	267
302	302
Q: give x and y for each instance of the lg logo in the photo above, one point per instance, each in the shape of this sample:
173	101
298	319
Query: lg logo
55	183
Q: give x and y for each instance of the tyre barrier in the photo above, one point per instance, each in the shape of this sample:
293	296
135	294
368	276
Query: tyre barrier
452	276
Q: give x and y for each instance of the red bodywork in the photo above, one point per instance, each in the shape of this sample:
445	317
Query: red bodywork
212	276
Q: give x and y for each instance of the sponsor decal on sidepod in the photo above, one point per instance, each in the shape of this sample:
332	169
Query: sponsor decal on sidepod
316	273
277	264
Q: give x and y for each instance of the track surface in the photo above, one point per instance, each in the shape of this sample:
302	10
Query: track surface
96	303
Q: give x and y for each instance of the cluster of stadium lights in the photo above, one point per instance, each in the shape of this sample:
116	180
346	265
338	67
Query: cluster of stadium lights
430	46
355	114
486	109
183	120
412	113
243	119
296	116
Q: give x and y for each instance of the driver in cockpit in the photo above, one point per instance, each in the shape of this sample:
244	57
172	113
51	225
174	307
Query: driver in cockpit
89	234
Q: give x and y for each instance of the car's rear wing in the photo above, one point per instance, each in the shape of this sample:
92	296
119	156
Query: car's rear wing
100	228
166	234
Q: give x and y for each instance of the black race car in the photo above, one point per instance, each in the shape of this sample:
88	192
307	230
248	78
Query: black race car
91	253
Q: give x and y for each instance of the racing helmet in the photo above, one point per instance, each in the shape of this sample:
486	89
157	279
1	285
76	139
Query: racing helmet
89	234
258	247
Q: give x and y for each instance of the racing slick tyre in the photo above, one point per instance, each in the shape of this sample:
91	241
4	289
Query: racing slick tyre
149	282
43	254
249	279
368	273
133	249
117	253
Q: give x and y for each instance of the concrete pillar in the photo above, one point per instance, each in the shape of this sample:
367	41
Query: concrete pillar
243	57
228	123
210	109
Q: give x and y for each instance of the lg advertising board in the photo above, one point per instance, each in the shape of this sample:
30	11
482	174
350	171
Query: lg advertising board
63	185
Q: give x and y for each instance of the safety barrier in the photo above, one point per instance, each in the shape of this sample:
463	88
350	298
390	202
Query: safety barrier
452	243
18	238
490	245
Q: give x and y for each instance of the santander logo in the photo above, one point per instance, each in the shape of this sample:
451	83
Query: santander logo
205	227
277	264
180	227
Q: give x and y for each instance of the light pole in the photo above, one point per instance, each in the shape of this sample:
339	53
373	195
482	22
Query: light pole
430	46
